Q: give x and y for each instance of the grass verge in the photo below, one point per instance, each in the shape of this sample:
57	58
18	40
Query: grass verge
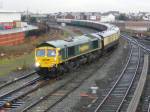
14	63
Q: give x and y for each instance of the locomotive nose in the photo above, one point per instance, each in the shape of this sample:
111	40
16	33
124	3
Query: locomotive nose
50	62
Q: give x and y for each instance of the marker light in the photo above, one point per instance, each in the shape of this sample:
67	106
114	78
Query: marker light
37	64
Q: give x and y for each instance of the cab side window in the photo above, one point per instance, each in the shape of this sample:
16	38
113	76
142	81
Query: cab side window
71	51
95	44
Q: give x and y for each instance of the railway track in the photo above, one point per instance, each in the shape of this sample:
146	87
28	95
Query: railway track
133	106
131	92
113	101
15	80
51	99
12	89
144	104
131	39
15	98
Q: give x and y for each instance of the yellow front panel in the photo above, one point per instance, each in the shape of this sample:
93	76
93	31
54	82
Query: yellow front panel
48	61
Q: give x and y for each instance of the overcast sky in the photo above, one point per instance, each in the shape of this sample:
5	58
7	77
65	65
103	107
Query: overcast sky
48	6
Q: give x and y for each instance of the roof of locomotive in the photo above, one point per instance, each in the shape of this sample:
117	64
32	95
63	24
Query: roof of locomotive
69	42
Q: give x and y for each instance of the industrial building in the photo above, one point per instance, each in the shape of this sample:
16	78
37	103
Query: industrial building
133	25
9	16
12	30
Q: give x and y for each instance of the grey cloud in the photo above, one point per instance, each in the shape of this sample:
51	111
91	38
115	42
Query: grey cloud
76	5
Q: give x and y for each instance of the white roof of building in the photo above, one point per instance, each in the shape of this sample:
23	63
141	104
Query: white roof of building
8	11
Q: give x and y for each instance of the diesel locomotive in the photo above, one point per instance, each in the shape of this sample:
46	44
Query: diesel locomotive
58	56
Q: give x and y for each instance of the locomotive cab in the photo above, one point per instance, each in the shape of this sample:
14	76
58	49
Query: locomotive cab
47	57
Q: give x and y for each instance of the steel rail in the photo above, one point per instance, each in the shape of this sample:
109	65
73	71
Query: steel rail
148	108
115	85
15	97
130	83
4	99
17	79
140	86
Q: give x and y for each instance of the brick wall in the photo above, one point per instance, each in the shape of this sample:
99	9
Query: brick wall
12	39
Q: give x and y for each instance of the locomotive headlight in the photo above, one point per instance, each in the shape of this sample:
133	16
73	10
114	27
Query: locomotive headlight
37	64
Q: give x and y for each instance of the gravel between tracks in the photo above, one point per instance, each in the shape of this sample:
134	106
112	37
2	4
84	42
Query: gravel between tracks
17	84
106	74
14	75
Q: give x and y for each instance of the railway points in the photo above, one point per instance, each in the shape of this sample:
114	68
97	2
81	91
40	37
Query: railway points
131	39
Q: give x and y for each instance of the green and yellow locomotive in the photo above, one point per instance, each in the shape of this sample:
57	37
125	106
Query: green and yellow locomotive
59	56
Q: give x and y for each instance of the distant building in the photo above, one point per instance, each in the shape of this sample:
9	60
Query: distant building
120	24
9	16
137	25
52	17
133	25
12	30
146	17
39	17
94	16
69	16
115	13
107	18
